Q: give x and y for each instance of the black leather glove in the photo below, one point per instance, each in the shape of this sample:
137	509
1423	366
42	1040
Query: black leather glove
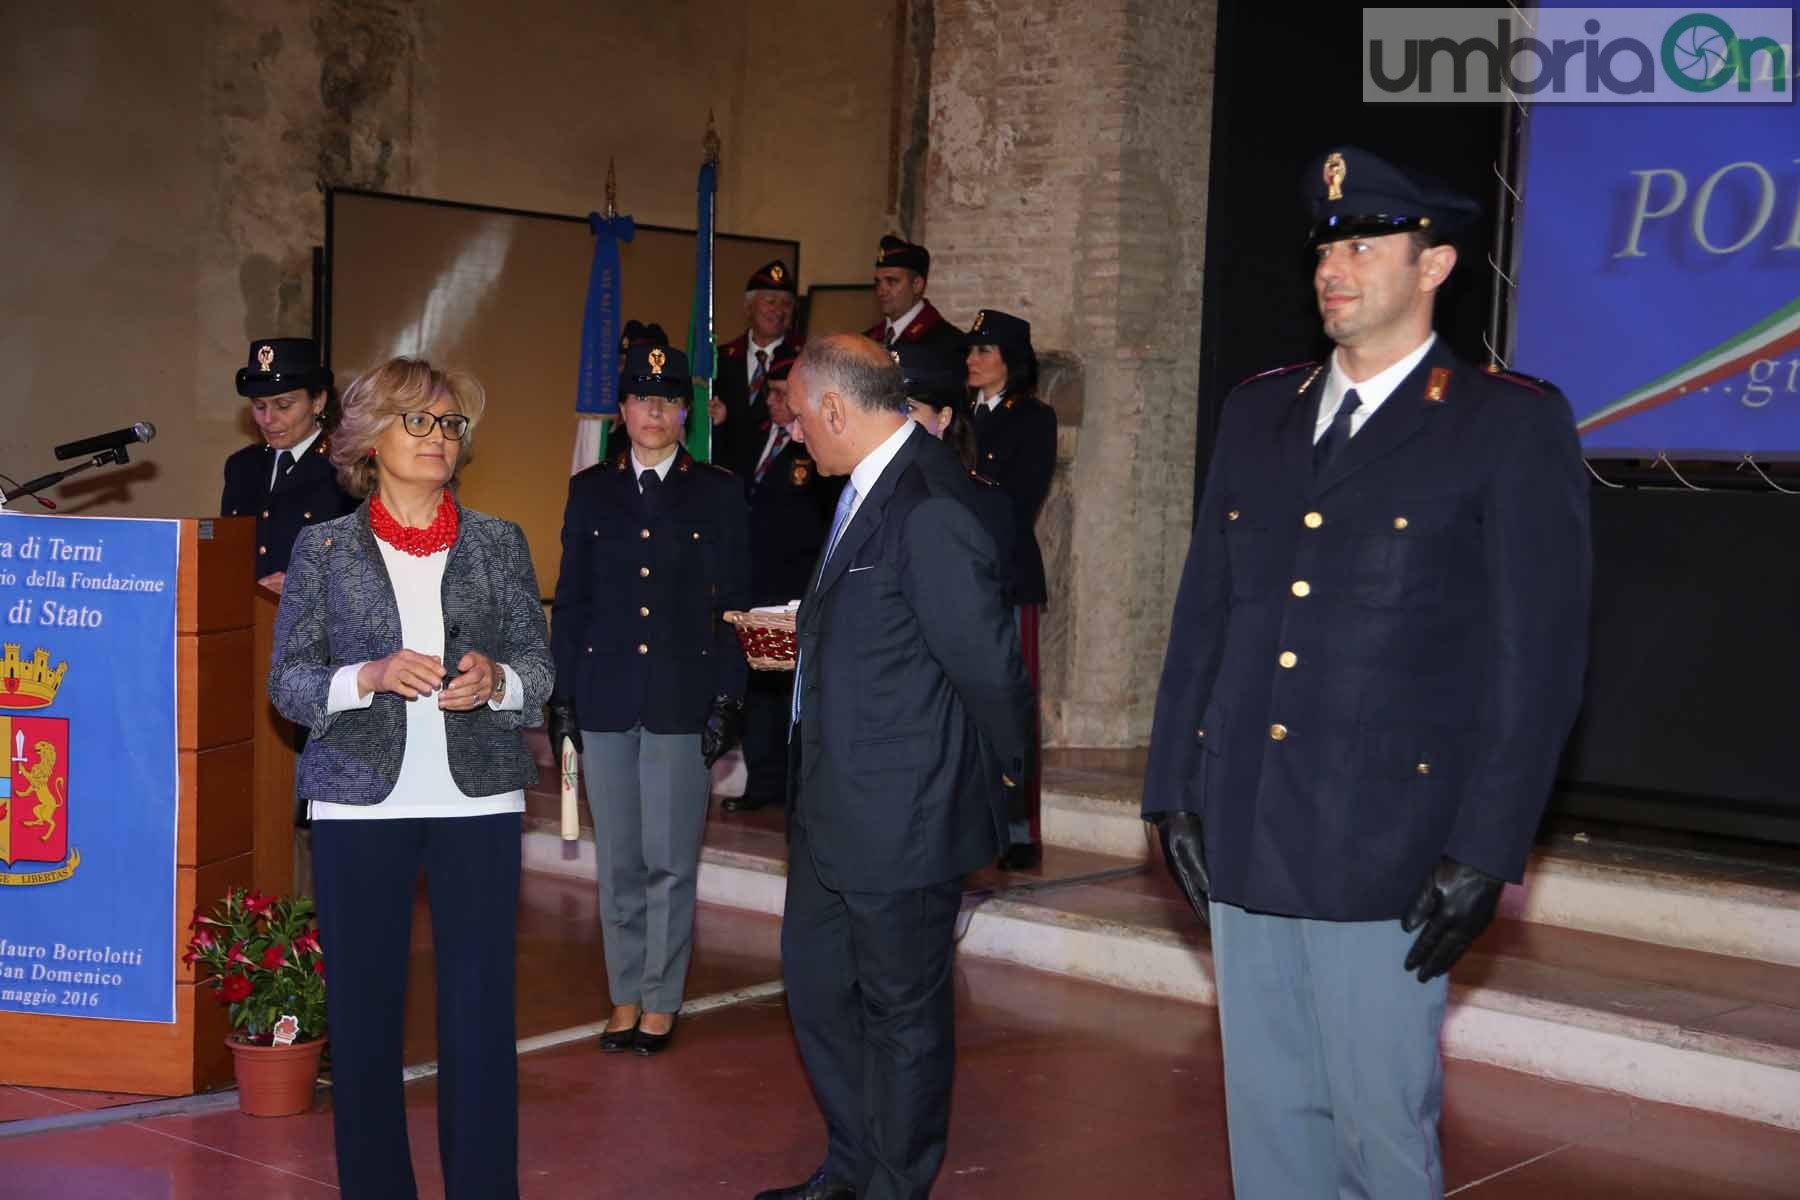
1454	906
563	724
1184	850
724	726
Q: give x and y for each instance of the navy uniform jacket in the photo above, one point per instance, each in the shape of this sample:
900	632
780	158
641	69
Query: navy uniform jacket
1016	448
790	514
308	494
929	326
1378	667
739	440
914	695
636	624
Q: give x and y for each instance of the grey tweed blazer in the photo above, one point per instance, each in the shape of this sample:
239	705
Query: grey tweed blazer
338	608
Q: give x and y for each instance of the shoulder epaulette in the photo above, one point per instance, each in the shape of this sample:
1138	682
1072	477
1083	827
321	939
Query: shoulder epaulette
1530	383
978	477
715	466
1287	370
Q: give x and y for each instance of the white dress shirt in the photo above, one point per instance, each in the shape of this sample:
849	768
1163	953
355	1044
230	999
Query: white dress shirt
661	468
864	475
768	356
1373	391
898	325
298	451
425	787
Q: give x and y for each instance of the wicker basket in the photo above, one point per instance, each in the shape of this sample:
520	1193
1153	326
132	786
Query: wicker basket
767	637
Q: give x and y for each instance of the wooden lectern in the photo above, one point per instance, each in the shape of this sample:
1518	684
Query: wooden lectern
234	828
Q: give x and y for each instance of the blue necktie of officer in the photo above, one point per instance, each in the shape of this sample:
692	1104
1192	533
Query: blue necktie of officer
1339	433
846	502
284	462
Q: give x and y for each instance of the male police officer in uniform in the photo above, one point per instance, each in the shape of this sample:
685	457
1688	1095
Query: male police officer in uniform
287	482
739	407
907	317
1377	652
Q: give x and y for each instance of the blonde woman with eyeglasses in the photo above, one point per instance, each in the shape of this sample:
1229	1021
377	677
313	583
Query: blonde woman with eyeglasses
411	642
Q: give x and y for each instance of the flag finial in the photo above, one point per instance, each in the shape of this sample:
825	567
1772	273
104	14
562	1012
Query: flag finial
612	191
710	144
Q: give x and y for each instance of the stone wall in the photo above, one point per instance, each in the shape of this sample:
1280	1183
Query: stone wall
161	173
1067	183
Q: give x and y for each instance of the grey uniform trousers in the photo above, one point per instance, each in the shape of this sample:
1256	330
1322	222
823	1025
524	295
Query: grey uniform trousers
1333	1076
648	794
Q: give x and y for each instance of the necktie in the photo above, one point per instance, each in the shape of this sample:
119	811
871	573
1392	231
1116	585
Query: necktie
284	462
892	336
650	484
774	451
756	376
846	502
1339	433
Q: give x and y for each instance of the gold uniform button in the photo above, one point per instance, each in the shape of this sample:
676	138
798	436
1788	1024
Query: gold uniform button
265	514
1278	733
696	535
1301	588
1424	768
1312	520
1289	659
644	533
643	572
305	516
643	649
1232	515
643	612
590	649
262	549
1399	522
1200	735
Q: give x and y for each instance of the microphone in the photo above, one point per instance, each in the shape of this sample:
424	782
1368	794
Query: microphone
118	439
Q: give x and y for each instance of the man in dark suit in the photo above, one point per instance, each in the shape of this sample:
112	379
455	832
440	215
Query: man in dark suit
912	704
791	504
739	406
902	270
1377	652
288	481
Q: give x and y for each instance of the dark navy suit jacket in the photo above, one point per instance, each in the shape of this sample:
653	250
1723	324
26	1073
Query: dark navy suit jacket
914	696
1379	666
636	624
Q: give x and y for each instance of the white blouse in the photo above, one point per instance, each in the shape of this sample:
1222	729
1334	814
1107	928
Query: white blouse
425	787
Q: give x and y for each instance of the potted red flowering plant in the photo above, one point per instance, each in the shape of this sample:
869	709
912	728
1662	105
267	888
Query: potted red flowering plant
262	957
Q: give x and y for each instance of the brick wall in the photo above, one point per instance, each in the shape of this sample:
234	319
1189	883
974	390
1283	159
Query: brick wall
1067	183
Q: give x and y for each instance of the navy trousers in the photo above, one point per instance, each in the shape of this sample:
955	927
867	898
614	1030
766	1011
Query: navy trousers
366	874
870	992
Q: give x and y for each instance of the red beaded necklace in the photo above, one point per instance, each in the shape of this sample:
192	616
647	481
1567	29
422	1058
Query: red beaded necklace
439	535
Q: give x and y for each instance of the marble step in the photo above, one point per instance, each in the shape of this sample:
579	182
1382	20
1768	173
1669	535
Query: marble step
1710	1031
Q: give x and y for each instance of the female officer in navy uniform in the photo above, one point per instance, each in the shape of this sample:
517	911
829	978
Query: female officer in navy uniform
654	553
1015	435
287	482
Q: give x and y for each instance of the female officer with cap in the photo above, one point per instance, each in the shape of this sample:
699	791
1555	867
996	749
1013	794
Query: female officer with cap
1015	434
654	553
288	482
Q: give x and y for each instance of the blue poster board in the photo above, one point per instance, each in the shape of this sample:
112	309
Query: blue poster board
90	769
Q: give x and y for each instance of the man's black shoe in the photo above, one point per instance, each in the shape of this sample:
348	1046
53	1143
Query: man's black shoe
816	1188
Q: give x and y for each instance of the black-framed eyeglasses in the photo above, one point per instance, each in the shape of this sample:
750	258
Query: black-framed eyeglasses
419	424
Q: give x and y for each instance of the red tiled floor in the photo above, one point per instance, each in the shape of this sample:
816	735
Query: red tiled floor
1064	1089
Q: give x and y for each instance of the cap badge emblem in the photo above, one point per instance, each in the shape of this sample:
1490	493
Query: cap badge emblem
657	359
1335	170
775	272
265	358
980	317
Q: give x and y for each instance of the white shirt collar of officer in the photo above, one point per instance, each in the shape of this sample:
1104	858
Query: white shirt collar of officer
898	325
661	468
992	402
768	355
298	451
1373	391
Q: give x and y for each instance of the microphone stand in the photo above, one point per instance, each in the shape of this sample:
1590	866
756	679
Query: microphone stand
32	487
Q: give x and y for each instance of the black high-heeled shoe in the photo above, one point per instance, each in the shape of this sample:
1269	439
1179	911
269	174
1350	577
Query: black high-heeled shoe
617	1041
655	1043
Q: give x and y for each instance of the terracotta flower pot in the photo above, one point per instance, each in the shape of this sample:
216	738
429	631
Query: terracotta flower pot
275	1081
